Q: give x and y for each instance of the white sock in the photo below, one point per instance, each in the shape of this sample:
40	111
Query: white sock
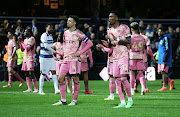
63	100
112	95
75	101
123	102
132	90
55	81
41	82
143	88
130	99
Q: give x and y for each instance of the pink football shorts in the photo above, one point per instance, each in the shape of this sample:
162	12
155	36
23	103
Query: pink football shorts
84	66
136	65
160	68
120	67
71	67
28	66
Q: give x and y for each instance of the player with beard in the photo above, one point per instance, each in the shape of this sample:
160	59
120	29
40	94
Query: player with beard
47	62
119	35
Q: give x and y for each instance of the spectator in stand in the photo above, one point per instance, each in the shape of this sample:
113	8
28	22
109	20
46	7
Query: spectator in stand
56	32
86	26
170	31
95	42
5	25
89	32
18	32
34	28
3	38
100	33
96	20
156	37
149	32
177	35
62	25
19	24
36	33
159	26
141	23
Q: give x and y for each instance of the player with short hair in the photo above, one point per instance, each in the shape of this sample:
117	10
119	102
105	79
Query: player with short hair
12	58
164	57
120	38
71	65
29	48
47	62
136	57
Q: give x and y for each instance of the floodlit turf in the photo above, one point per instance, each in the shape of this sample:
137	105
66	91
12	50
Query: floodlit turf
15	103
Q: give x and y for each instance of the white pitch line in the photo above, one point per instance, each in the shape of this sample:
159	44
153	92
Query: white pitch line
144	96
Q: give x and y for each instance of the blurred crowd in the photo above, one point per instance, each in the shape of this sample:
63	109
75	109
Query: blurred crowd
96	31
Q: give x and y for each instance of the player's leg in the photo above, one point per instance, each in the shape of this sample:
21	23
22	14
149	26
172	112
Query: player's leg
34	80
13	63
76	89
62	86
28	81
111	88
54	77
163	72
142	81
10	77
75	70
55	81
121	94
85	76
132	81
44	69
68	83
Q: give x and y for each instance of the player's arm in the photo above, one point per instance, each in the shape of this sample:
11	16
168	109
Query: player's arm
167	52
150	52
26	47
90	57
46	45
14	51
89	44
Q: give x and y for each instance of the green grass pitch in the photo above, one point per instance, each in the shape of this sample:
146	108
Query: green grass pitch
15	103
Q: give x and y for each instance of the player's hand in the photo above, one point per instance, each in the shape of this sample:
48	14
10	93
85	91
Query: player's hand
105	43
76	54
99	45
91	65
114	38
163	65
20	39
56	59
54	53
114	42
153	61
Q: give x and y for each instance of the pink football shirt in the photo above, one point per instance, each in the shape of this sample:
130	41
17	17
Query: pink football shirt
121	32
137	47
11	45
29	55
72	43
59	50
